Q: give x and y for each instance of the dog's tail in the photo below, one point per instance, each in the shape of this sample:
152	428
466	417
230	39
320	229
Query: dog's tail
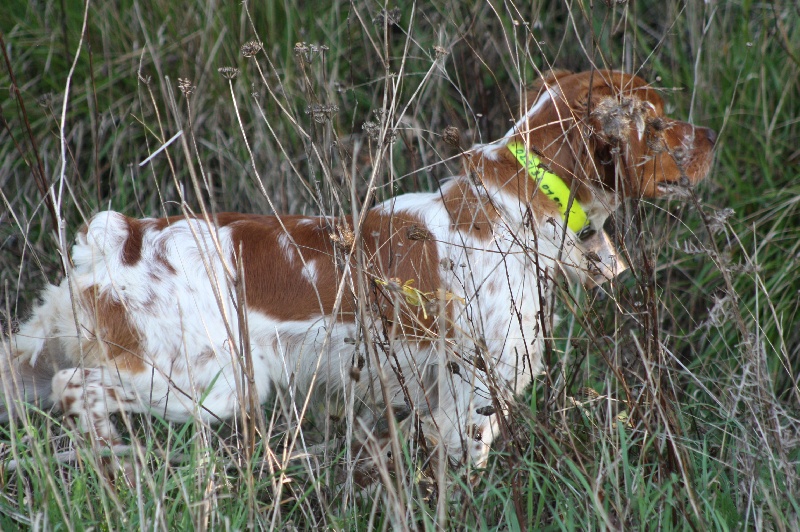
22	383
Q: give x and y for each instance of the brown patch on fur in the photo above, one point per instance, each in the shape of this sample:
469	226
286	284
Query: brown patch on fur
393	251
160	256
273	281
272	276
469	212
120	399
132	248
205	357
116	339
396	246
66	403
83	230
416	232
393	247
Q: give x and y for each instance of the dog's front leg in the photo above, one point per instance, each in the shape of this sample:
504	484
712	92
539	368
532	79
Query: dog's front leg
89	396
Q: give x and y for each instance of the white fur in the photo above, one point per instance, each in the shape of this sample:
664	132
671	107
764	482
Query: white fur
489	151
549	94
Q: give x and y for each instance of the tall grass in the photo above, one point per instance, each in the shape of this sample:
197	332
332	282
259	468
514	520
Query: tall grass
672	403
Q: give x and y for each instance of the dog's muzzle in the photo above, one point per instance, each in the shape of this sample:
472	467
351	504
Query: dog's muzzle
603	261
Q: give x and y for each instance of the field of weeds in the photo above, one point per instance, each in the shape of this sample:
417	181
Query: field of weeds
673	403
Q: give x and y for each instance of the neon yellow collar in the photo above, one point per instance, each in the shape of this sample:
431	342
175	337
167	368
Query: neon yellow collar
552	186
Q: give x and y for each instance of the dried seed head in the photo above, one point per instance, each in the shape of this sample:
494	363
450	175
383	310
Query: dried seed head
719	220
344	238
747	266
416	232
485	411
301	49
321	113
655	137
721	312
10	327
617	115
441	51
390	17
690	248
185	86
251	48
454	368
682	156
228	72
372	129
452	136
307	52
447	264
45	99
587	393
394	285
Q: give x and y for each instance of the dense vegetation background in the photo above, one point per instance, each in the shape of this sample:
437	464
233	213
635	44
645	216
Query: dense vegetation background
673	403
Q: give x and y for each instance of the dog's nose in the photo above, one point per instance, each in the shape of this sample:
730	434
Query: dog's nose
711	135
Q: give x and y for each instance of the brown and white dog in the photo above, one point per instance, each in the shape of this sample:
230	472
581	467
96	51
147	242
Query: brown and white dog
429	302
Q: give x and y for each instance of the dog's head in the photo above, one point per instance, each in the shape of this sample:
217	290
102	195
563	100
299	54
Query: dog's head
608	130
